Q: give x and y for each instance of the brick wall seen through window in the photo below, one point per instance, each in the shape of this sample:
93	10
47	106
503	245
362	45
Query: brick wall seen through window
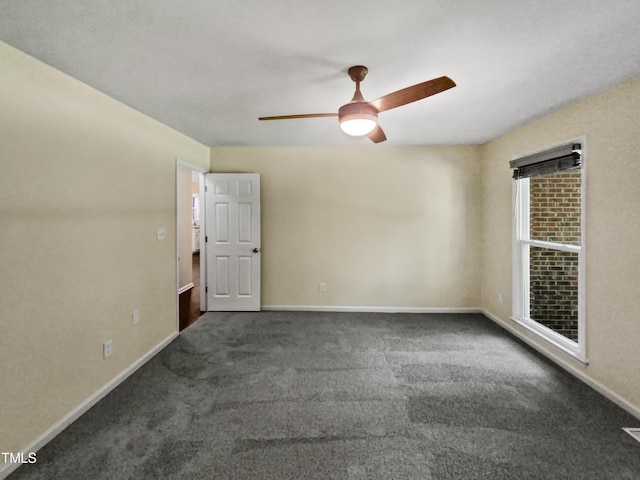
553	274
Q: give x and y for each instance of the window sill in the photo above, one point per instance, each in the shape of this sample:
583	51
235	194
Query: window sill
564	345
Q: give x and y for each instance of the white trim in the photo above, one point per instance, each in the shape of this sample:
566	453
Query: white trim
553	338
194	168
73	415
582	257
203	245
521	243
188	286
563	247
333	308
191	166
634	432
572	369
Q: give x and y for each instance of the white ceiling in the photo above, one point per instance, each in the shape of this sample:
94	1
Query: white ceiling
210	68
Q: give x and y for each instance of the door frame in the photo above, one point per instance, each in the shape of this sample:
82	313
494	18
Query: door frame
180	164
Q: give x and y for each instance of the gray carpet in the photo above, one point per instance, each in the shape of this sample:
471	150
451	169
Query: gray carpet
286	395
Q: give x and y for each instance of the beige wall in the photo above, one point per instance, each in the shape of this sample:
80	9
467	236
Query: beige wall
382	226
84	183
611	123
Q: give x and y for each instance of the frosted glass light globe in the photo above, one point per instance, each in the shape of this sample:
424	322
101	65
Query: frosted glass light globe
358	126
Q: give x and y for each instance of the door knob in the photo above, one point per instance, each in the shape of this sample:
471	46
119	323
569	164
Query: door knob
256	250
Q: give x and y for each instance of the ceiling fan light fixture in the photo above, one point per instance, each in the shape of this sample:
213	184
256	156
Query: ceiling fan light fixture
357	119
358	127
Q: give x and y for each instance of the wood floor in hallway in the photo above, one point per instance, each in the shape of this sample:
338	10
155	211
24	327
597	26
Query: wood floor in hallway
190	300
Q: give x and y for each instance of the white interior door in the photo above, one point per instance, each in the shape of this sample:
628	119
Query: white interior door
232	241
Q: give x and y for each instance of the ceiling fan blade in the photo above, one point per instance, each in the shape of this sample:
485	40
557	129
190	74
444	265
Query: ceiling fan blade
377	135
305	115
413	93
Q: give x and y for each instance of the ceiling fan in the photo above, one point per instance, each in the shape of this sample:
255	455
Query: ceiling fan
359	117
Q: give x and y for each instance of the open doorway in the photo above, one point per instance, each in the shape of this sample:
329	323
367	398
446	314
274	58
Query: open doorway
189	222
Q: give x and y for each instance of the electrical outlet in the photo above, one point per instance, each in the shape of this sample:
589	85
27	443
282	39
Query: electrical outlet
500	299
135	317
323	287
107	348
161	233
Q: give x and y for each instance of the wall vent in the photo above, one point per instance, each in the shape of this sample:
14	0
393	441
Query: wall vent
634	432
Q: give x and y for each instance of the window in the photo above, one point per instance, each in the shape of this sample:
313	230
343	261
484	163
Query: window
548	250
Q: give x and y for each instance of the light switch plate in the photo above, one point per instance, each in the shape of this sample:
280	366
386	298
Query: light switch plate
107	348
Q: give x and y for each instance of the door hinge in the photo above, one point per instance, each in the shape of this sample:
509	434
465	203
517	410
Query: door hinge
205	188
206	289
206	239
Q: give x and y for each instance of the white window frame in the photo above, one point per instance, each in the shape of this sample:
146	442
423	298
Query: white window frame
522	243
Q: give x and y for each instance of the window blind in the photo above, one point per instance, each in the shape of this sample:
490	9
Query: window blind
558	159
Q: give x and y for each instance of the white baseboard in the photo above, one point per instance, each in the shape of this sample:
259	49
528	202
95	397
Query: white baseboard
46	437
332	308
561	362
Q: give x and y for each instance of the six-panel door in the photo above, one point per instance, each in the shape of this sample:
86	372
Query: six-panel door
233	241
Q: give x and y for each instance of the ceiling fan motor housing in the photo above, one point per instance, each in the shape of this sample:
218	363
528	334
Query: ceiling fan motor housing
357	110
